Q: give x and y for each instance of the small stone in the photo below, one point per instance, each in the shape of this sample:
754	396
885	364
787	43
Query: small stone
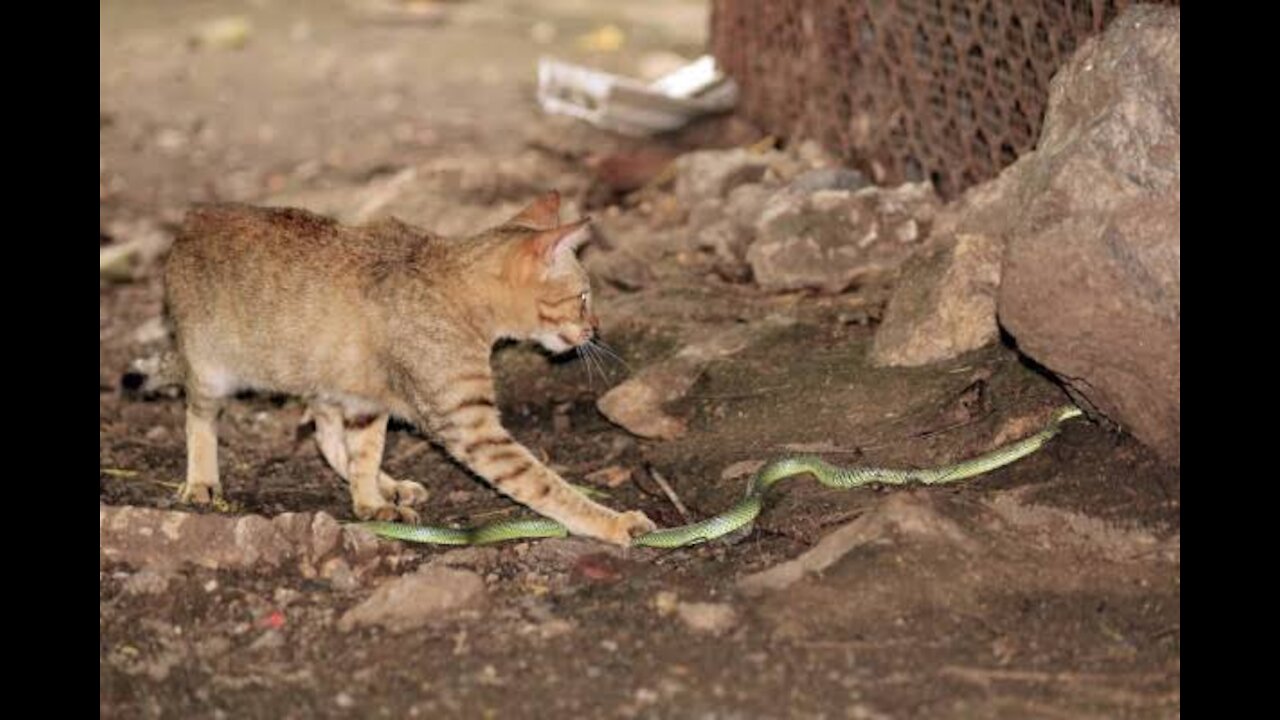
226	33
339	575
944	303
344	700
665	602
171	140
414	600
713	618
146	582
555	628
459	496
560	421
646	696
268	640
325	534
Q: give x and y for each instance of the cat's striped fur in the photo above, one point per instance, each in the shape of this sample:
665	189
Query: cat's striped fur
379	320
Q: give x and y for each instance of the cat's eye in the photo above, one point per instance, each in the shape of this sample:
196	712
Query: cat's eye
583	298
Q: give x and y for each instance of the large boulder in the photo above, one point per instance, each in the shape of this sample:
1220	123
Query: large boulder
1075	248
1091	285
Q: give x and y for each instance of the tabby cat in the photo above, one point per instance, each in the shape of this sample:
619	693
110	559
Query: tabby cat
379	320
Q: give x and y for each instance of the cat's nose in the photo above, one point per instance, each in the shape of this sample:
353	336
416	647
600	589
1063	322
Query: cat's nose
586	334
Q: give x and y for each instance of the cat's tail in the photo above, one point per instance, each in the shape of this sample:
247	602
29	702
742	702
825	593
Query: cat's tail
161	370
154	373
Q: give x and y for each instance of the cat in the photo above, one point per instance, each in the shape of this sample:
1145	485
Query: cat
379	320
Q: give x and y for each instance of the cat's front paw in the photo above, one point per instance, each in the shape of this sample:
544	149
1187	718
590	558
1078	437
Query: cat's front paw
628	525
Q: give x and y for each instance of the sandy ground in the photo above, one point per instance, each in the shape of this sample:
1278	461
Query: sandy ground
1047	589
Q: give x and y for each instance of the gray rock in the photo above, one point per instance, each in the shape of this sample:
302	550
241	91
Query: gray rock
706	213
412	601
944	302
725	228
1092	280
162	539
909	513
339	574
325	534
744	204
359	544
711	174
830	239
728	243
829	178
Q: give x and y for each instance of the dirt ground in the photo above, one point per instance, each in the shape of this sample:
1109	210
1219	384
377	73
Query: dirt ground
1050	588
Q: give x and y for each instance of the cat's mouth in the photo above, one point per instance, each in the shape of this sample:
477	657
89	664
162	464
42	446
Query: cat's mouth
555	343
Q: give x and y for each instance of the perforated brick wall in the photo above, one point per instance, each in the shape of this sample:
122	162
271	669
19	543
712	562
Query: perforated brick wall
950	90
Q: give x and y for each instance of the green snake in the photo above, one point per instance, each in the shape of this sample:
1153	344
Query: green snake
745	511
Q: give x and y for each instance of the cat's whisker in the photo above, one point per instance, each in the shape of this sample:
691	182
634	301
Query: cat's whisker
609	352
591	356
594	358
586	365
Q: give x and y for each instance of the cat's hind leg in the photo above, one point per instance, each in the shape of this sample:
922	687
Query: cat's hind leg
336	434
204	405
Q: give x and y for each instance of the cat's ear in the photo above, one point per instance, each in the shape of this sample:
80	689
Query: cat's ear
541	214
552	245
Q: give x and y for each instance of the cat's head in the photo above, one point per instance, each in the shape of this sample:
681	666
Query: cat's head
548	292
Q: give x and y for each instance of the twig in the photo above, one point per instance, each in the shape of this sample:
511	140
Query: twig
671	494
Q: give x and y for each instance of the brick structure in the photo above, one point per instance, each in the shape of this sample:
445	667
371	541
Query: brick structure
950	90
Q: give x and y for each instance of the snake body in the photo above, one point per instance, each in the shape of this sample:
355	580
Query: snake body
746	510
